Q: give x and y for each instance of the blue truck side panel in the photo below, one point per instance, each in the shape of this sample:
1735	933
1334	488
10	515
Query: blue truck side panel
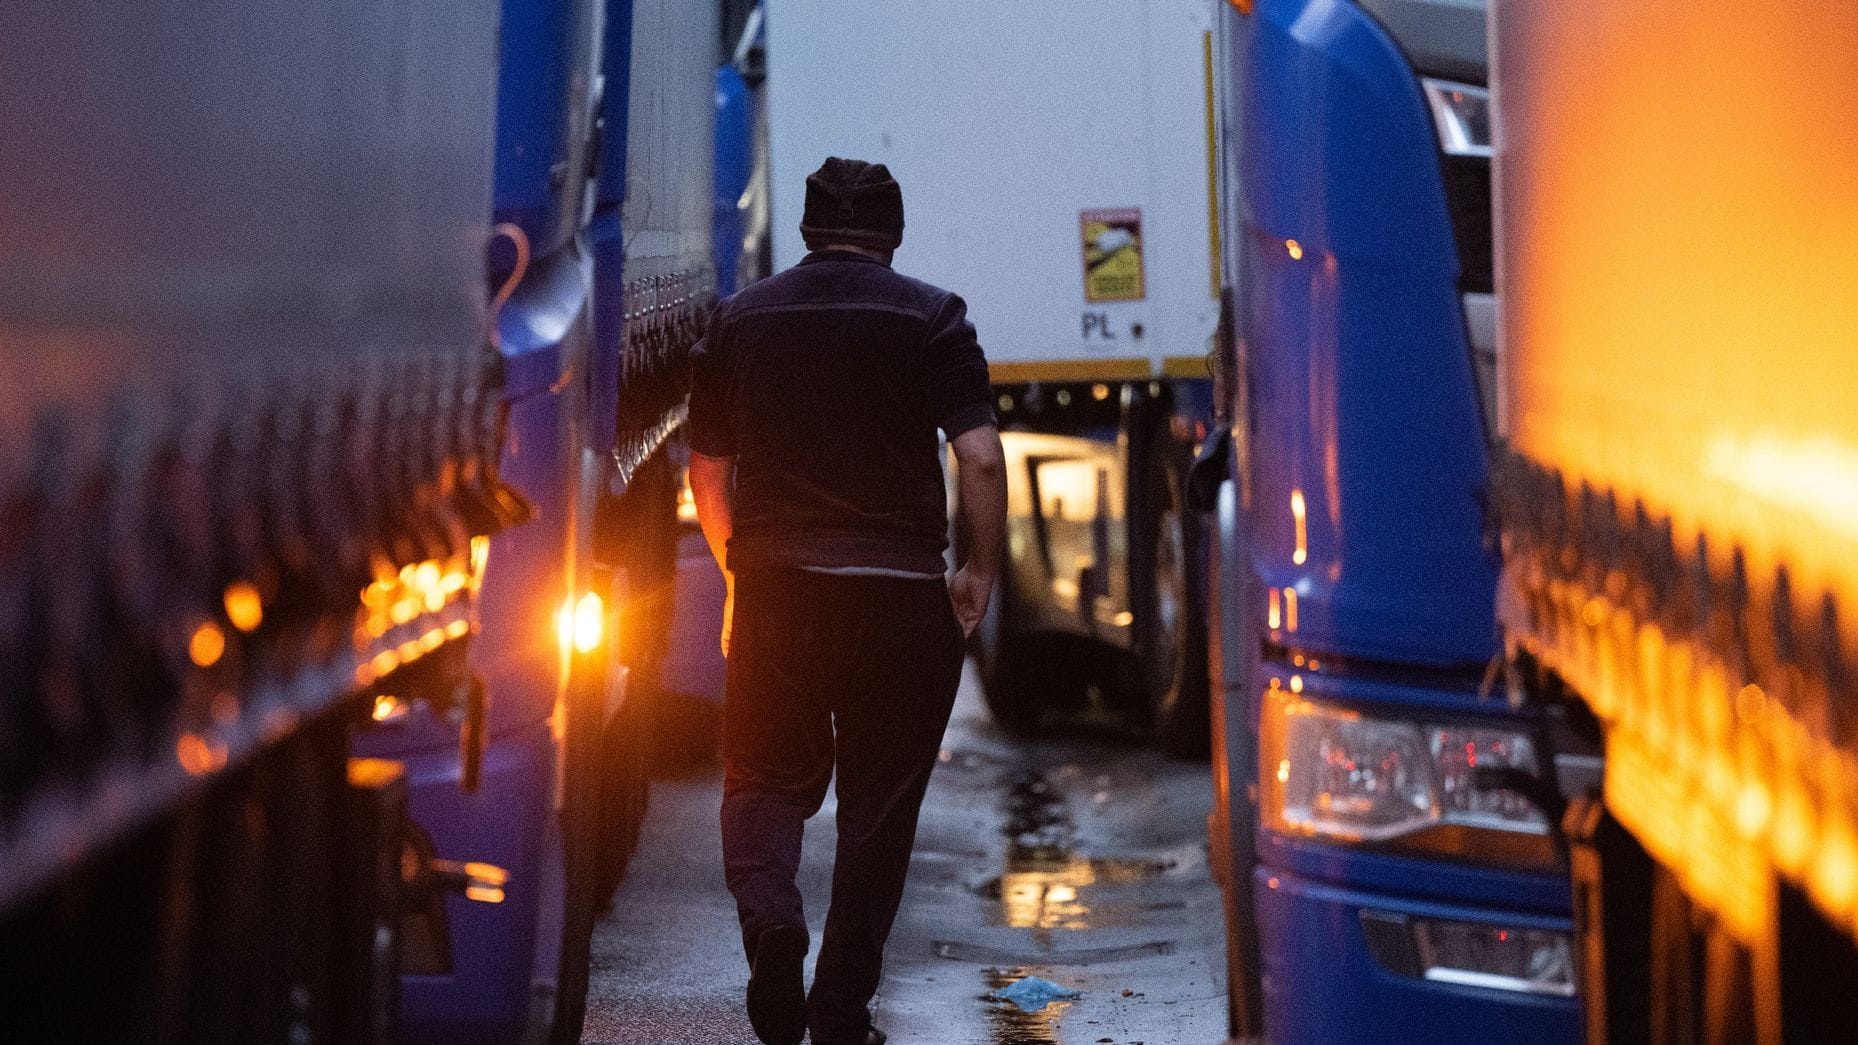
1365	400
735	162
605	239
533	116
510	820
1363	407
486	997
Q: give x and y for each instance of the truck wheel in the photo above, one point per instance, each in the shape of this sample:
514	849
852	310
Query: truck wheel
1008	676
626	793
581	839
1167	680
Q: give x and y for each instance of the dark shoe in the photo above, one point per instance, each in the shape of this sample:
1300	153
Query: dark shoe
776	991
872	1036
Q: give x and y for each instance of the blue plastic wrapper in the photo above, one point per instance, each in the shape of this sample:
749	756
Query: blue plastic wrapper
1032	994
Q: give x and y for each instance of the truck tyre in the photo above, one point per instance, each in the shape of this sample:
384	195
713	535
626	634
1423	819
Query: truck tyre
1166	681
581	839
1008	676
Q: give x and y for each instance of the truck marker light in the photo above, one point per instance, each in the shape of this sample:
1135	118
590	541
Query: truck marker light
384	662
1299	512
1296	683
1290	609
1099	392
389	708
198	755
243	606
1274	616
1749	702
484	883
1794	835
207	645
1836	872
589	622
375	595
480	558
1294	249
581	623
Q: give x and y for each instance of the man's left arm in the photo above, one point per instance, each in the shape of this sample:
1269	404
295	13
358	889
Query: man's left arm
713	449
712	486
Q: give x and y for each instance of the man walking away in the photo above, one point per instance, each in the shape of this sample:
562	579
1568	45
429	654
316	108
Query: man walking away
815	401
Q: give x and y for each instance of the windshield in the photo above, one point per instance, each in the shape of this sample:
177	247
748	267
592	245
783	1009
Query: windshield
1443	38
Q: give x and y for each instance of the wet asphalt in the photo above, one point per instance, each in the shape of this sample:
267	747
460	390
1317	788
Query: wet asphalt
1079	858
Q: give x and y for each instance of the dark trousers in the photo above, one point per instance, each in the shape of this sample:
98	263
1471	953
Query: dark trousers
824	670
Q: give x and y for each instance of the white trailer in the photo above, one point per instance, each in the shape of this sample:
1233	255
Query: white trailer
1056	162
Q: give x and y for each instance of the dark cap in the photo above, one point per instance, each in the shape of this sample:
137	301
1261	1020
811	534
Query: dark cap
851	201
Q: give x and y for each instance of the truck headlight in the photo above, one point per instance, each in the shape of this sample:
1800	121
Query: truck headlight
1462	113
1337	772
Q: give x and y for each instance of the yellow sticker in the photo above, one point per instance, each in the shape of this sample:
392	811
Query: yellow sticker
1112	254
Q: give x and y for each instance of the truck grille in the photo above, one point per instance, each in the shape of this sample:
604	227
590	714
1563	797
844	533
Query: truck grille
1467	197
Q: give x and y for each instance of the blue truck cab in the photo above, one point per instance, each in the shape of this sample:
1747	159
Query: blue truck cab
1387	879
595	308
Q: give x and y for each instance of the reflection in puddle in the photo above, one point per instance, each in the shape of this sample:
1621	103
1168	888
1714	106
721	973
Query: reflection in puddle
1045	887
1012	1025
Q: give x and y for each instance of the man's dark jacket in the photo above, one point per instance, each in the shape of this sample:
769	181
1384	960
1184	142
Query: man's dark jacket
827	382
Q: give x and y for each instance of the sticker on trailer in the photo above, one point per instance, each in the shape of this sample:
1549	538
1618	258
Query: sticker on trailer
1112	254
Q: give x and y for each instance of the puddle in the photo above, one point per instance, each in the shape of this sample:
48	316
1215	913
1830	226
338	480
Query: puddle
1045	885
980	954
1011	1025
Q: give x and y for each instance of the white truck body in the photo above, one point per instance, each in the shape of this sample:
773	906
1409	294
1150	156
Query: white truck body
1005	123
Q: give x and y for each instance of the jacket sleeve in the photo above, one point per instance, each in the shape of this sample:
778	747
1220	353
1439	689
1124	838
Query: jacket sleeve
712	393
956	393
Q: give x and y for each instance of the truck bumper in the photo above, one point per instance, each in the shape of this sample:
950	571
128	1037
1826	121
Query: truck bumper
1323	983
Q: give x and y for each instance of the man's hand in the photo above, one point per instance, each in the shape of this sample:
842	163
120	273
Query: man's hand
728	611
968	591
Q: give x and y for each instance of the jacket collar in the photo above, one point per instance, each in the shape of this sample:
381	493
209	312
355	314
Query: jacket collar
839	255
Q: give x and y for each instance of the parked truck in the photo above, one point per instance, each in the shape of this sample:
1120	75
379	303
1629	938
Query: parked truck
329	551
1381	886
602	169
1055	159
1677	253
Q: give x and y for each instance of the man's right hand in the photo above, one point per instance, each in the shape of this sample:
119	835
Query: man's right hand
728	612
969	592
